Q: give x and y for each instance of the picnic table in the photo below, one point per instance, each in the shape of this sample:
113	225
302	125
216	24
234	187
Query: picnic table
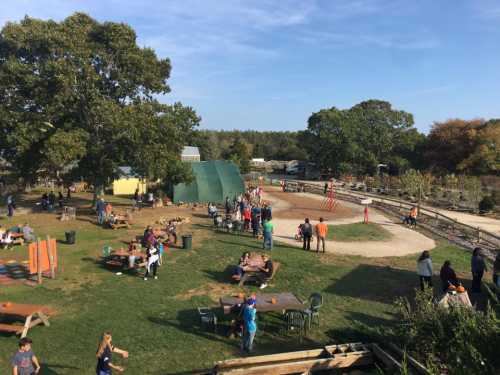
32	315
284	301
121	221
119	258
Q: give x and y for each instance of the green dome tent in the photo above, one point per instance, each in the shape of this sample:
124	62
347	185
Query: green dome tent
213	182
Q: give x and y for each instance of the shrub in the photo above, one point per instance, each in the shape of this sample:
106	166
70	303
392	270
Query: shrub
487	203
457	340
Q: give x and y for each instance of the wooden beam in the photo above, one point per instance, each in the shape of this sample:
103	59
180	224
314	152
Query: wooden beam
50	254
301	366
39	260
303	354
385	357
417	365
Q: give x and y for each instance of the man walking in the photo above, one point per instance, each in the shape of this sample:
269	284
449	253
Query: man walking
321	232
250	327
268	230
306	230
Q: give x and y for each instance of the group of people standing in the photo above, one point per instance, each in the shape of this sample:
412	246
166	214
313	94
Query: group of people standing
306	230
448	275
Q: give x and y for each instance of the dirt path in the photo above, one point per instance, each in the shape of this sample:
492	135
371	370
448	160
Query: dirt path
286	218
486	223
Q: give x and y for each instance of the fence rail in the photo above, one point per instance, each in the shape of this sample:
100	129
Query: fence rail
460	233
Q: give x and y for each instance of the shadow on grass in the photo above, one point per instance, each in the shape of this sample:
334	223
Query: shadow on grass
221	276
50	369
375	283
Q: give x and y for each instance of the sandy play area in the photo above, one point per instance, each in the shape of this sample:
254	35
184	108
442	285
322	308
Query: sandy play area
290	209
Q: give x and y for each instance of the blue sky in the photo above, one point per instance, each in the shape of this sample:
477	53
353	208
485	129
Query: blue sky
268	64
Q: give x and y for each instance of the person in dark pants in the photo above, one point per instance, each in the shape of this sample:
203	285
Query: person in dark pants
448	276
424	269
306	230
478	267
11	205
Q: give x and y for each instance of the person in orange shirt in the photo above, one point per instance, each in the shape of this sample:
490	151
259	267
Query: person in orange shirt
321	231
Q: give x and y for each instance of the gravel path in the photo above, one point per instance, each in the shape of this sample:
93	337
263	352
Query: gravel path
404	241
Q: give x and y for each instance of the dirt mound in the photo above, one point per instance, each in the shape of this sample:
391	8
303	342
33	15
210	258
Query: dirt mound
301	207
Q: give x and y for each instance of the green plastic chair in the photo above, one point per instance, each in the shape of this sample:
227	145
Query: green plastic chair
296	322
312	313
106	251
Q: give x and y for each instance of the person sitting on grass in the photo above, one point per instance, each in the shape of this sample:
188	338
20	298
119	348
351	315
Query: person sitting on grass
24	361
240	268
448	276
104	354
265	272
28	233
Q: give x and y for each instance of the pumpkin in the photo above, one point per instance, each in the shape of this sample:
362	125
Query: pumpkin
460	289
273	301
7	304
452	287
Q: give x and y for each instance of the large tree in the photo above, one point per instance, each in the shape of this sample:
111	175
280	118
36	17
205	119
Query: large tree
96	88
356	140
465	146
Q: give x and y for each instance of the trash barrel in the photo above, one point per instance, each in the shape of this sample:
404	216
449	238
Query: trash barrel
71	237
187	241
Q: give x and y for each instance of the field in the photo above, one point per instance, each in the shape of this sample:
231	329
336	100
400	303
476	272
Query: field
357	232
156	320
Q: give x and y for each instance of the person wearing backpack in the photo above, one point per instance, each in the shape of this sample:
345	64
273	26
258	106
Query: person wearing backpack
306	234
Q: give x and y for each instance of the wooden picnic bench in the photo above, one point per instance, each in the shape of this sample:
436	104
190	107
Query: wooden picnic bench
283	301
121	221
119	258
252	274
32	315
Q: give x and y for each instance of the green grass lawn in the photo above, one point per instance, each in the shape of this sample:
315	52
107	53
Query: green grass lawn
357	232
157	320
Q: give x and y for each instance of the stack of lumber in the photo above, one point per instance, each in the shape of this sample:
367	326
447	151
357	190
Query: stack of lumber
328	359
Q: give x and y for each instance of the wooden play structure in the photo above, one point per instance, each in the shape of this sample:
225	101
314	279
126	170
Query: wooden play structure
330	202
330	358
43	258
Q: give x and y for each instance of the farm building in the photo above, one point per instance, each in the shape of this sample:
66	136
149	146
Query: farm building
190	154
213	182
127	182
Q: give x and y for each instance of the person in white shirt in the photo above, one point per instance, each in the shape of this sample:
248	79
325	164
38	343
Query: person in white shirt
424	270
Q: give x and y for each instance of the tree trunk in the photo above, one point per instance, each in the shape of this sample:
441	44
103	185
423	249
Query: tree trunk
98	192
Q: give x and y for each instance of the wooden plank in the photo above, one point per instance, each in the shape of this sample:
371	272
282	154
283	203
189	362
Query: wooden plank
417	365
303	354
26	327
39	260
17	329
300	366
51	259
385	357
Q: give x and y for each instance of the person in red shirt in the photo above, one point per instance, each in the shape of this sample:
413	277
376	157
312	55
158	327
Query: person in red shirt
247	216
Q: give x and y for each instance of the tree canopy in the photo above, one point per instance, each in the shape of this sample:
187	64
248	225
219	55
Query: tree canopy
96	88
356	140
464	146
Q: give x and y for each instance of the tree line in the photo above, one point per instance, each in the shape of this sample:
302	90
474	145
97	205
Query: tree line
360	139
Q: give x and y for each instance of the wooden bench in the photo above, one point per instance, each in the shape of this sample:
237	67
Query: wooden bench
254	276
11	328
120	225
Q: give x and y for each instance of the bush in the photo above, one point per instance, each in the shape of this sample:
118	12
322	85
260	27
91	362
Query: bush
487	203
456	340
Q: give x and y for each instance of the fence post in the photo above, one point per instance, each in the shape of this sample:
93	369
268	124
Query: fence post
39	260
51	259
